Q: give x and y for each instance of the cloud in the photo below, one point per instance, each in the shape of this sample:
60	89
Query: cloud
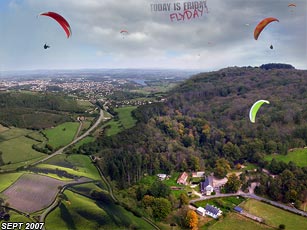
221	36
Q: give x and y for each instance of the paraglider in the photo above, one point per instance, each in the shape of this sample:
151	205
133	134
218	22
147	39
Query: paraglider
62	21
261	25
292	4
46	46
256	106
124	33
271	47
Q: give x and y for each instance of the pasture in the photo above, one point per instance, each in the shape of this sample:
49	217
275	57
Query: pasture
79	165
84	213
62	134
235	221
274	216
19	149
124	121
298	156
31	192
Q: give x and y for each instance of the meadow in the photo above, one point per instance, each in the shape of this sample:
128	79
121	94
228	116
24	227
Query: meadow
8	179
298	156
62	134
235	221
274	216
84	213
125	121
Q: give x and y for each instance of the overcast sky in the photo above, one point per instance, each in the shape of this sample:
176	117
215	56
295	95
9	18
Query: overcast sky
220	38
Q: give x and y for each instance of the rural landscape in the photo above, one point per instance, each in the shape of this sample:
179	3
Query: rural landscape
153	115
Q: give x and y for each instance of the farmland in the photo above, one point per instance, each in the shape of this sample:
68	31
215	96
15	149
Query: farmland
8	179
298	156
84	213
31	193
61	135
274	216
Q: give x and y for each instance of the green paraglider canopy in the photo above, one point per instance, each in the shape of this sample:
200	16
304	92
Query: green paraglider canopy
256	106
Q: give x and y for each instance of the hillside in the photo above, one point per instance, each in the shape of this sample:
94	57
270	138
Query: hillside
36	110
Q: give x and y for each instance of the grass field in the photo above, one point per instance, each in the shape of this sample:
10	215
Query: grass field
234	221
8	179
13	133
61	135
16	217
79	165
274	216
84	213
298	156
125	121
18	149
85	140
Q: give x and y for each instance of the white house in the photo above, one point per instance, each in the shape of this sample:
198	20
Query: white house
198	174
212	211
206	187
162	176
201	211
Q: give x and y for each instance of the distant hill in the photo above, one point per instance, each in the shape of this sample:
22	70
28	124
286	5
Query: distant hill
36	110
276	66
207	118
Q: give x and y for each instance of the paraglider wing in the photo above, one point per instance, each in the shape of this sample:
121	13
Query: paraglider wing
256	106
261	25
123	31
291	4
62	21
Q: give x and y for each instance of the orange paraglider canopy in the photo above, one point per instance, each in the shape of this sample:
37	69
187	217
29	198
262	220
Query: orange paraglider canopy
62	21
261	25
291	4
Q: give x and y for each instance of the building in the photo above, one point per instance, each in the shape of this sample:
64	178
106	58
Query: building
238	209
213	211
161	176
206	187
198	174
201	211
183	179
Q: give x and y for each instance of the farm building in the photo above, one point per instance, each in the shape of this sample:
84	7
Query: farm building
207	186
238	209
183	178
201	211
213	211
198	174
161	176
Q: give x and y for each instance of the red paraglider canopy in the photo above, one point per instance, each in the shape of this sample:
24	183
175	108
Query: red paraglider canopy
62	21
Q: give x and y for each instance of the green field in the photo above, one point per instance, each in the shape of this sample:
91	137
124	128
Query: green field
298	156
16	217
274	216
84	213
8	179
61	135
234	221
79	165
125	121
13	133
85	140
18	149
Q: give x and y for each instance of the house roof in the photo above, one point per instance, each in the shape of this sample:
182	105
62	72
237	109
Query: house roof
200	209
238	209
208	181
212	209
183	177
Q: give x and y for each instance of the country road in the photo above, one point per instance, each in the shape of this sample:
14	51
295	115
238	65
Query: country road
253	196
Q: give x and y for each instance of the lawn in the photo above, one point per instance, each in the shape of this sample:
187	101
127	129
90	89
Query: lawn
235	221
18	149
274	216
84	213
298	156
61	135
8	179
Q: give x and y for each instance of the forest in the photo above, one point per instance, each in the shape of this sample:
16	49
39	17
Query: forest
205	119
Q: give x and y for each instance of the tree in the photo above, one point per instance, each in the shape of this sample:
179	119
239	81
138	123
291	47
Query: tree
233	184
158	189
222	167
161	207
184	200
192	220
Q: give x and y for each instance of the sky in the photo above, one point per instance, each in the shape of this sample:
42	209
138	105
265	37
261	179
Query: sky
209	40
